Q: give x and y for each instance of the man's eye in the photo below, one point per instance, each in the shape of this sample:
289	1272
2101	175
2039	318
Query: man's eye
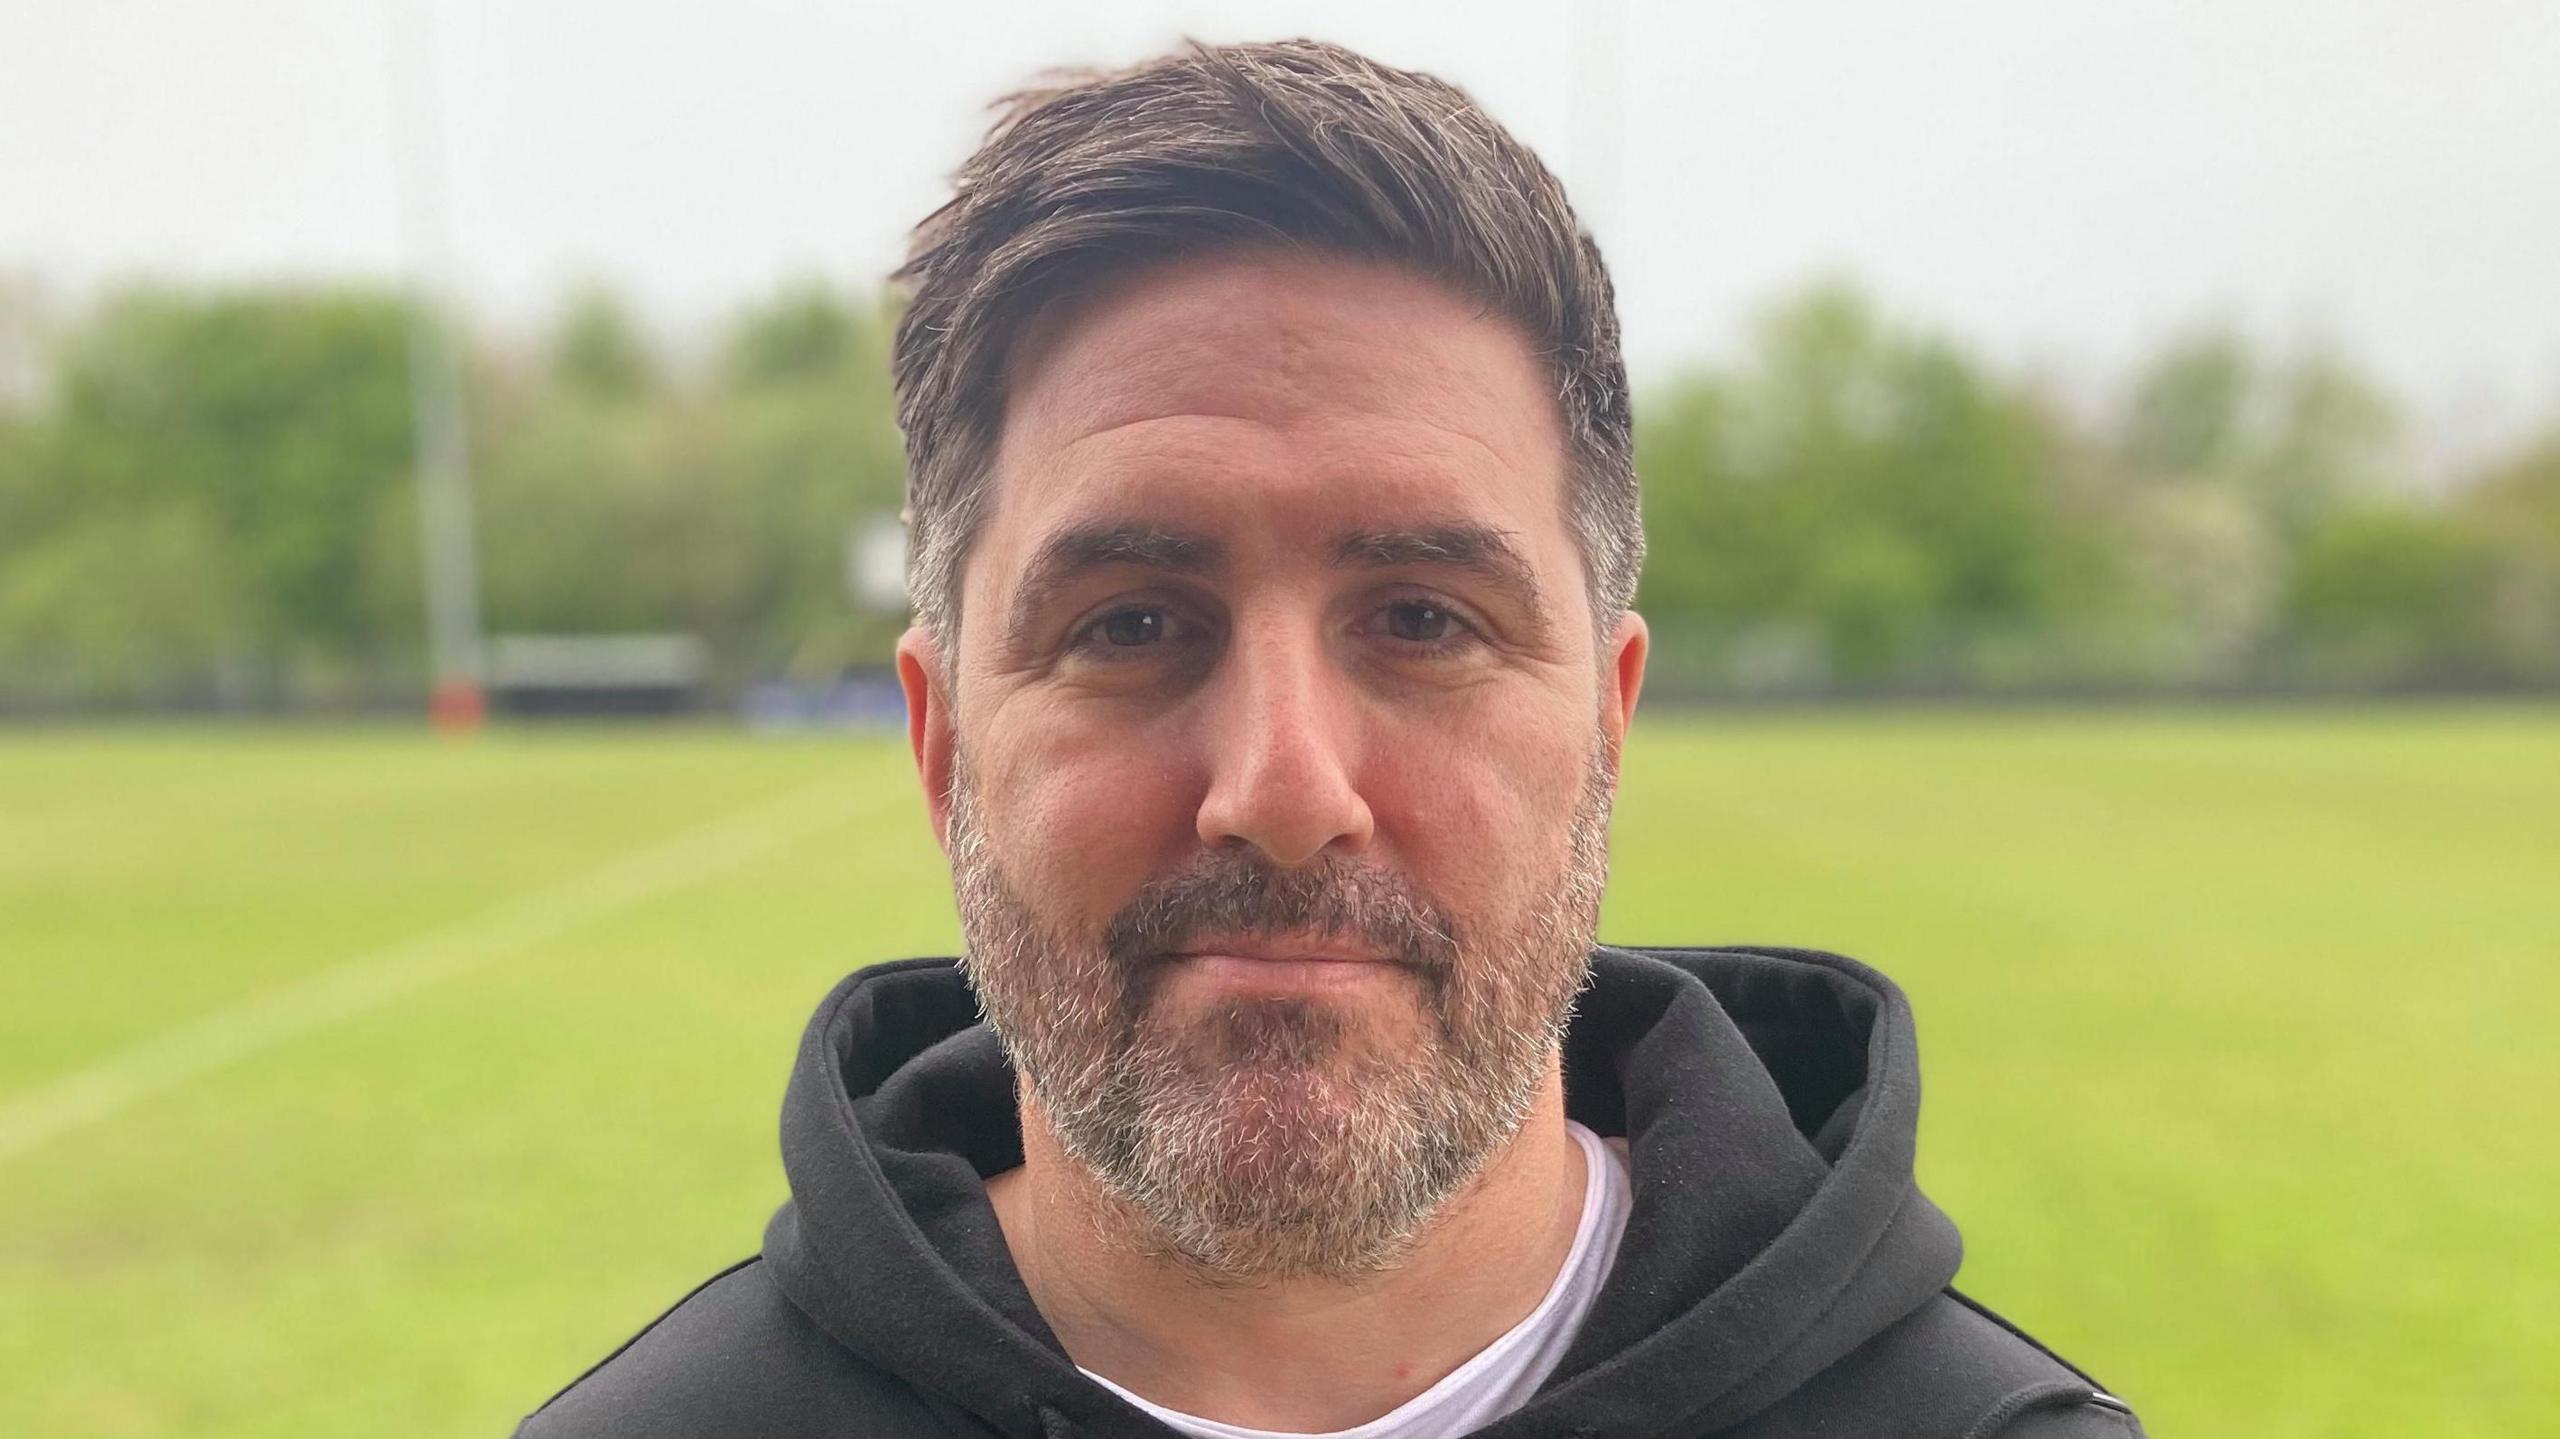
1424	629
1418	622
1121	632
1126	629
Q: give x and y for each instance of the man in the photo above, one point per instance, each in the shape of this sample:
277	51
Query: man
1274	534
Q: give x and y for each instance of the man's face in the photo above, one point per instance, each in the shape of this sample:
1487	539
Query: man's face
1275	758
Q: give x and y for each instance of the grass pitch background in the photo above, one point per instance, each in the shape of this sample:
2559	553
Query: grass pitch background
353	1084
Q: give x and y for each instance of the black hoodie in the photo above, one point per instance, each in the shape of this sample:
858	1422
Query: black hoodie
1780	1275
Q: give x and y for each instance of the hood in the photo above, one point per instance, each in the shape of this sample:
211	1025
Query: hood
1769	1098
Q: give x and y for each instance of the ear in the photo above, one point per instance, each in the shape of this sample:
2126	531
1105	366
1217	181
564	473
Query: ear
1622	676
929	735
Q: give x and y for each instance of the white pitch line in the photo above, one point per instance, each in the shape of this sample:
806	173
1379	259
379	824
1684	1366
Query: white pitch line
368	981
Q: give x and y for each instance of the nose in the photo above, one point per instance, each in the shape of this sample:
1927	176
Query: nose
1281	753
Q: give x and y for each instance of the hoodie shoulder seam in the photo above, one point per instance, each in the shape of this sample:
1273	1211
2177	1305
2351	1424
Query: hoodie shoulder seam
645	1330
2023	1337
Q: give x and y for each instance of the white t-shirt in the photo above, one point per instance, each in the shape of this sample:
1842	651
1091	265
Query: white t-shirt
1503	1374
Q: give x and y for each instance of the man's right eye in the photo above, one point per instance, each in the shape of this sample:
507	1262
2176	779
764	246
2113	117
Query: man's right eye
1115	633
1124	628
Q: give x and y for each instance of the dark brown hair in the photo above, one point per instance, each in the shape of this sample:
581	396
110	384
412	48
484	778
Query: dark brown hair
1293	143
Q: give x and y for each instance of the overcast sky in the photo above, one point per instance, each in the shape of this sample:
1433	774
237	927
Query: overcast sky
2061	182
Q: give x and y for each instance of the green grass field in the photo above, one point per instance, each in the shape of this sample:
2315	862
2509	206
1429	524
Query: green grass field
353	1084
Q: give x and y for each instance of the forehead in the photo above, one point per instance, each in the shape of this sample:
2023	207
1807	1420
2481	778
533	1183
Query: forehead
1286	394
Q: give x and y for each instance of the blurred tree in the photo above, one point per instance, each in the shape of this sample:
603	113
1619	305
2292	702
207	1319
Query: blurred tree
598	351
599	517
720	510
810	449
2207	573
2189	404
24	321
2227	466
2331	438
281	418
2515	509
804	333
131	605
1871	489
20	478
2394	594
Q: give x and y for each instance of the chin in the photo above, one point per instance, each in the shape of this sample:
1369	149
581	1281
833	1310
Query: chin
1286	1041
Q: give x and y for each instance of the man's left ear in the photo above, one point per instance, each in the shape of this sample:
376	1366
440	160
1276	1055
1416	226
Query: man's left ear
920	677
1622	675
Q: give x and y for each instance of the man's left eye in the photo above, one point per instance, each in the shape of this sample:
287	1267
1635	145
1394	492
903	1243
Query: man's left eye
1422	623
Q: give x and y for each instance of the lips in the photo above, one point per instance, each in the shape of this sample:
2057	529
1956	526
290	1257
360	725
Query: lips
1279	966
1275	952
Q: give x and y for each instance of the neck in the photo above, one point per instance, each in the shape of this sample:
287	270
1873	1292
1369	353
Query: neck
1304	1355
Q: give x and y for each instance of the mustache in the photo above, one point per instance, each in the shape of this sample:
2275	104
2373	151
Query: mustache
1230	893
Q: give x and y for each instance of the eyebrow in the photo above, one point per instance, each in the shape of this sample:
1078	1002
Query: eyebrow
1080	549
1490	554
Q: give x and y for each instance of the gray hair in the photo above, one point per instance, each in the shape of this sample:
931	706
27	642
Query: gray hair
1294	143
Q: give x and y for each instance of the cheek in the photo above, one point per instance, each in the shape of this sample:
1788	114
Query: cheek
1481	814
1079	821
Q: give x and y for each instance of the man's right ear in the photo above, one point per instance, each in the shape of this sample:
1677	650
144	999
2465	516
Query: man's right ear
920	676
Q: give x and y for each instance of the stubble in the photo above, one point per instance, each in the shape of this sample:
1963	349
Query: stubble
1265	1138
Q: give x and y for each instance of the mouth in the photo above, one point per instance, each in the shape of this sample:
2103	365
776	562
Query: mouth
1281	950
1280	963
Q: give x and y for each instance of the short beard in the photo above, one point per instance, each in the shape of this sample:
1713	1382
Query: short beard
1265	1138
